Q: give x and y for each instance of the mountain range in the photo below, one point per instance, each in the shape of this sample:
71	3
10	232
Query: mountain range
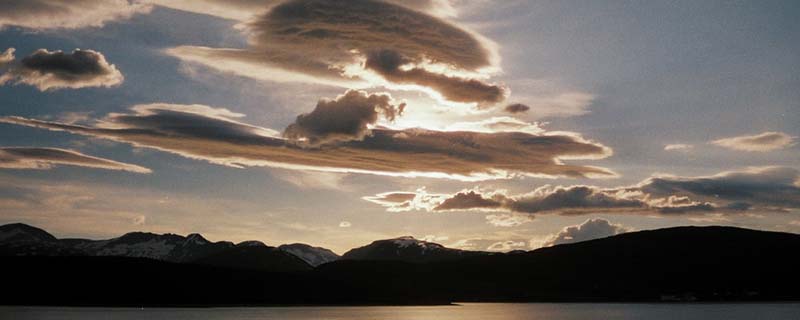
673	264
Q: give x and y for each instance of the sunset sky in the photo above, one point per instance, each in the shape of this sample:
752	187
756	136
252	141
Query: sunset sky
482	125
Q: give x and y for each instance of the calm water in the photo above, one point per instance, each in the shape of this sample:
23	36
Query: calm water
467	311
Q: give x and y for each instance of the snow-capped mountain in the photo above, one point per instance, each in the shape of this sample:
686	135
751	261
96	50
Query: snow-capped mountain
407	249
20	239
312	255
167	247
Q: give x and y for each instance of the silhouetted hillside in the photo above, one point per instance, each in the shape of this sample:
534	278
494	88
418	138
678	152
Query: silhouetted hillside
684	263
407	249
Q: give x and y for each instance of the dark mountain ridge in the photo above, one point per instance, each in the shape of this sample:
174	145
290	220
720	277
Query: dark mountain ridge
408	249
673	264
24	240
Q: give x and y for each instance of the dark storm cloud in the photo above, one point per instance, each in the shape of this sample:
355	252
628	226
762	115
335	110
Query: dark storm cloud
765	189
344	118
210	134
67	14
46	158
48	70
326	42
589	230
516	108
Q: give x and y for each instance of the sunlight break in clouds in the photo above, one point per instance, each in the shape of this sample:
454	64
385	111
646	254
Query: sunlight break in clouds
213	135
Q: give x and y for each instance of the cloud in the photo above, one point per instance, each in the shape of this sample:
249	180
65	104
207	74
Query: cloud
7	57
48	70
508	220
548	98
497	124
400	201
732	192
678	147
312	179
763	142
468	200
344	118
589	230
46	158
240	10
66	14
139	220
243	10
390	65
489	244
571	200
546	199
339	42
516	108
506	245
752	188
216	135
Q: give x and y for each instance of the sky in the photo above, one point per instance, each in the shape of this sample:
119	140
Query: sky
481	125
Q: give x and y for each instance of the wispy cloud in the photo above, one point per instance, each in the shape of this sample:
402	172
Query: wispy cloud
66	14
47	158
763	142
682	147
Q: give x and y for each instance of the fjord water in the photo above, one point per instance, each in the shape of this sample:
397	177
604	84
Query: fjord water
476	311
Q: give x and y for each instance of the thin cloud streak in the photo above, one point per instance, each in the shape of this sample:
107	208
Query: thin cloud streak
47	158
66	14
763	142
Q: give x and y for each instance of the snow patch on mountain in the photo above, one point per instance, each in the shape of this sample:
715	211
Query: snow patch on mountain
314	256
